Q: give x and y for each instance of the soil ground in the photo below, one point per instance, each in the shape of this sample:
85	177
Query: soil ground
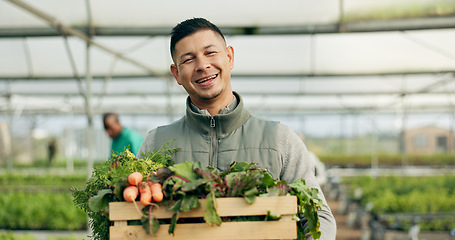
344	232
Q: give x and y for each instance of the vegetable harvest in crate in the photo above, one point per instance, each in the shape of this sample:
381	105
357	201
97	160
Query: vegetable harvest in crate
156	182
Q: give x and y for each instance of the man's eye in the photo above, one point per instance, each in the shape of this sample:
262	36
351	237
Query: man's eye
186	60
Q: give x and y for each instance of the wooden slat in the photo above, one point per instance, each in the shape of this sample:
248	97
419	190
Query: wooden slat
203	231
284	205
121	223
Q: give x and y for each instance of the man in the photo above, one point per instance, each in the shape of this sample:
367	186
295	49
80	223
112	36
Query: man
122	137
216	129
52	148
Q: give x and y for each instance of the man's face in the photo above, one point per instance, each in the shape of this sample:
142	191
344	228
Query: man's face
203	66
113	128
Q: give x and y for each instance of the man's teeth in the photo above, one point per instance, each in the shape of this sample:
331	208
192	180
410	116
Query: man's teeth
205	79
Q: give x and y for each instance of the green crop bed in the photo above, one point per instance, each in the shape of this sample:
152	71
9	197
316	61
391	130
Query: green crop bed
401	200
40	202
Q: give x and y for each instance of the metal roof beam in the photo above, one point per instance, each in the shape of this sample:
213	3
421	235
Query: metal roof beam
347	27
244	93
267	76
151	110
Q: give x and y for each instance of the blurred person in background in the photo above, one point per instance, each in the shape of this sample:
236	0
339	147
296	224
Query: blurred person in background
216	129
51	149
122	137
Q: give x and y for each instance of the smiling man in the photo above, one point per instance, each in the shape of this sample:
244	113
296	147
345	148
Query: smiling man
216	129
202	65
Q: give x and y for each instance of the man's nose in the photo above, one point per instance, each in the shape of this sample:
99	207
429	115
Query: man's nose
202	64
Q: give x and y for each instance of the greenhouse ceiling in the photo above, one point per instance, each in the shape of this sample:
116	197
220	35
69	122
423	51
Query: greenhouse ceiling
329	56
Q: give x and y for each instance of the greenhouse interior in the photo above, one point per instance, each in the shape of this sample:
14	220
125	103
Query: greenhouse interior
369	86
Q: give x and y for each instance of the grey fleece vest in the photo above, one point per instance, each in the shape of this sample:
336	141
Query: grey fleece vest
219	140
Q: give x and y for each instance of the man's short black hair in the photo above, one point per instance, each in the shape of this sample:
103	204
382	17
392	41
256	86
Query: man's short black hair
189	27
109	115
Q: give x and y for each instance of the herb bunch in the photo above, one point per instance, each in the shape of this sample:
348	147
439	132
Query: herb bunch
108	181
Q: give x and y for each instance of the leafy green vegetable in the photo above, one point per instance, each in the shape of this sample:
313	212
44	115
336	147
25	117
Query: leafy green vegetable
150	223
108	180
185	170
185	183
211	216
100	203
309	204
272	216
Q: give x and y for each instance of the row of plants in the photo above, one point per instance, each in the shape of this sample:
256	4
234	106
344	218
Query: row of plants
40	202
387	160
400	202
9	235
24	182
21	179
44	163
40	211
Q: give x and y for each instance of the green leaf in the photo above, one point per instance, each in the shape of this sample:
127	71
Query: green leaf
313	221
99	203
149	221
119	186
250	195
250	199
280	189
241	166
190	186
211	216
176	206
173	223
272	216
189	202
267	180
185	170
309	204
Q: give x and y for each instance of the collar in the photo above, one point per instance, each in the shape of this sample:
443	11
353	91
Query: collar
230	118
229	108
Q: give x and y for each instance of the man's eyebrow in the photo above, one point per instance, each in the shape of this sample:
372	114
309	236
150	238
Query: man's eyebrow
185	54
190	53
209	46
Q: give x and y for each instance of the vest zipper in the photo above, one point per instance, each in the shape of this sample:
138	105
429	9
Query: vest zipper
213	155
212	122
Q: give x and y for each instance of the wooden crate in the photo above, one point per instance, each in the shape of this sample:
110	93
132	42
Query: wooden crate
285	228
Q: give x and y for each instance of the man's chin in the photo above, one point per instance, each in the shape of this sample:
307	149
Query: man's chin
208	97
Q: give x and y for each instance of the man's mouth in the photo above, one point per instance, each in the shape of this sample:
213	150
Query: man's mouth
207	78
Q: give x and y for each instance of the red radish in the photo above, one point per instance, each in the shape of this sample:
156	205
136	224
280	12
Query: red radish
130	193
146	193
135	178
157	191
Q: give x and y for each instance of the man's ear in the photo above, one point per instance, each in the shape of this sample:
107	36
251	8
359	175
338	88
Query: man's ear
175	72
230	55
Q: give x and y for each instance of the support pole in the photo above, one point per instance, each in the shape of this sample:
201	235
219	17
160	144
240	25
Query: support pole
374	146
9	151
